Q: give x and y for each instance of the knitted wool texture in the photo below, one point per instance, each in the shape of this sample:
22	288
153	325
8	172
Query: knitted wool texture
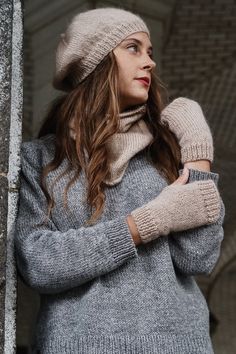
132	137
186	120
174	210
90	36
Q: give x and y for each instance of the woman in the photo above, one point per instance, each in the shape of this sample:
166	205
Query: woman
110	232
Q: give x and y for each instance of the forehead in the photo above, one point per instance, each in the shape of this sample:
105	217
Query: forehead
140	36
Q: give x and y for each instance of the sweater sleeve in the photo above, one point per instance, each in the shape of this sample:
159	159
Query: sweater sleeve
196	251
52	261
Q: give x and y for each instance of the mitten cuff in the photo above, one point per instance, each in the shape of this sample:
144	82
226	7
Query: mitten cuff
211	199
146	226
196	152
200	175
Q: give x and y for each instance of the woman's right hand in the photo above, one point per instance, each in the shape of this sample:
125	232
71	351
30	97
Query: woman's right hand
180	206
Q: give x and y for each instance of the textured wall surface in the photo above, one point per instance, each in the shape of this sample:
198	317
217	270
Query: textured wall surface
11	35
13	173
5	102
199	61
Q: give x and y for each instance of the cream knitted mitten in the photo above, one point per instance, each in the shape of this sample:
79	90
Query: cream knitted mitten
186	120
178	208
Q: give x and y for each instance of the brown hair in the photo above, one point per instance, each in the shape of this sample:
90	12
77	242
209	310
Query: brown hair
90	102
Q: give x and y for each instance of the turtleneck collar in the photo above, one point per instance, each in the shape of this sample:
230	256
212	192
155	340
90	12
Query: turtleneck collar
133	136
137	110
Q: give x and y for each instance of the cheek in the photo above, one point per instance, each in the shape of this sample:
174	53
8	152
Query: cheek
124	81
123	74
126	69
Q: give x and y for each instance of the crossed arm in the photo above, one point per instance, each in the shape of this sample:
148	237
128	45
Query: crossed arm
193	251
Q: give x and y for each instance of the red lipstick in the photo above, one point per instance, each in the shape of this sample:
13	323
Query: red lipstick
144	80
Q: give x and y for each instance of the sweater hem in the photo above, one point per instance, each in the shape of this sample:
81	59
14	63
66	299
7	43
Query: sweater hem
144	344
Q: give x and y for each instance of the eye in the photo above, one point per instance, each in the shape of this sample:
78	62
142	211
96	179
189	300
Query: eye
150	53
133	48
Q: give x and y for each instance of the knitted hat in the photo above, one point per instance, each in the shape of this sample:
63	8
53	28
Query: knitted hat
90	36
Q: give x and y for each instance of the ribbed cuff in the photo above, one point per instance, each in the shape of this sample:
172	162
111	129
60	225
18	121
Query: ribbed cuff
121	243
211	199
145	224
196	152
116	344
198	175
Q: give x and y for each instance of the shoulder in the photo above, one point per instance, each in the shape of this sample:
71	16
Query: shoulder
38	152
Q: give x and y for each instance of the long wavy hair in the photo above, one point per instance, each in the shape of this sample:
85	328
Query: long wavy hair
88	105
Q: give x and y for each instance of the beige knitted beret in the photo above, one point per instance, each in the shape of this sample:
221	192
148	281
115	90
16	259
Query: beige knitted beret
90	36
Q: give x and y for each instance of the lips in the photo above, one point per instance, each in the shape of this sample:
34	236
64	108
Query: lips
145	80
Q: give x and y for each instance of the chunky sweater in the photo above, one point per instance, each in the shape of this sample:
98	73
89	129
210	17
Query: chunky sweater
100	294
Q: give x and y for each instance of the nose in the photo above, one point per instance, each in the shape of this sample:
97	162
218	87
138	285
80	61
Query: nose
149	64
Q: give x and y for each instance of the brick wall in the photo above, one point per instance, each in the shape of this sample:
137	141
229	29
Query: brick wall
199	61
201	41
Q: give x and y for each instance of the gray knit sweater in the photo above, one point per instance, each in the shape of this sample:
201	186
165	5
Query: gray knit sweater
100	294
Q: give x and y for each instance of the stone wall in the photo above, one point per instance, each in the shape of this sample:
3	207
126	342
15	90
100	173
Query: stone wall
11	32
5	104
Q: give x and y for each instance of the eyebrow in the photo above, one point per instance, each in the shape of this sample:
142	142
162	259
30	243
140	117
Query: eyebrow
137	41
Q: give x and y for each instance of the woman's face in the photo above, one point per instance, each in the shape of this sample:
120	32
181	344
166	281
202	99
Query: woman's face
134	59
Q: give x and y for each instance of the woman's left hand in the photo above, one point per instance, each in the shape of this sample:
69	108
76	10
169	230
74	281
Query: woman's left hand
186	120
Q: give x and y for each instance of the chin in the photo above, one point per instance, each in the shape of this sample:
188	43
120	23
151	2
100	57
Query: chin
135	101
141	101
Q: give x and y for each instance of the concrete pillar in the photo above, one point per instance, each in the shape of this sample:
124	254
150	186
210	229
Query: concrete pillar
11	98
